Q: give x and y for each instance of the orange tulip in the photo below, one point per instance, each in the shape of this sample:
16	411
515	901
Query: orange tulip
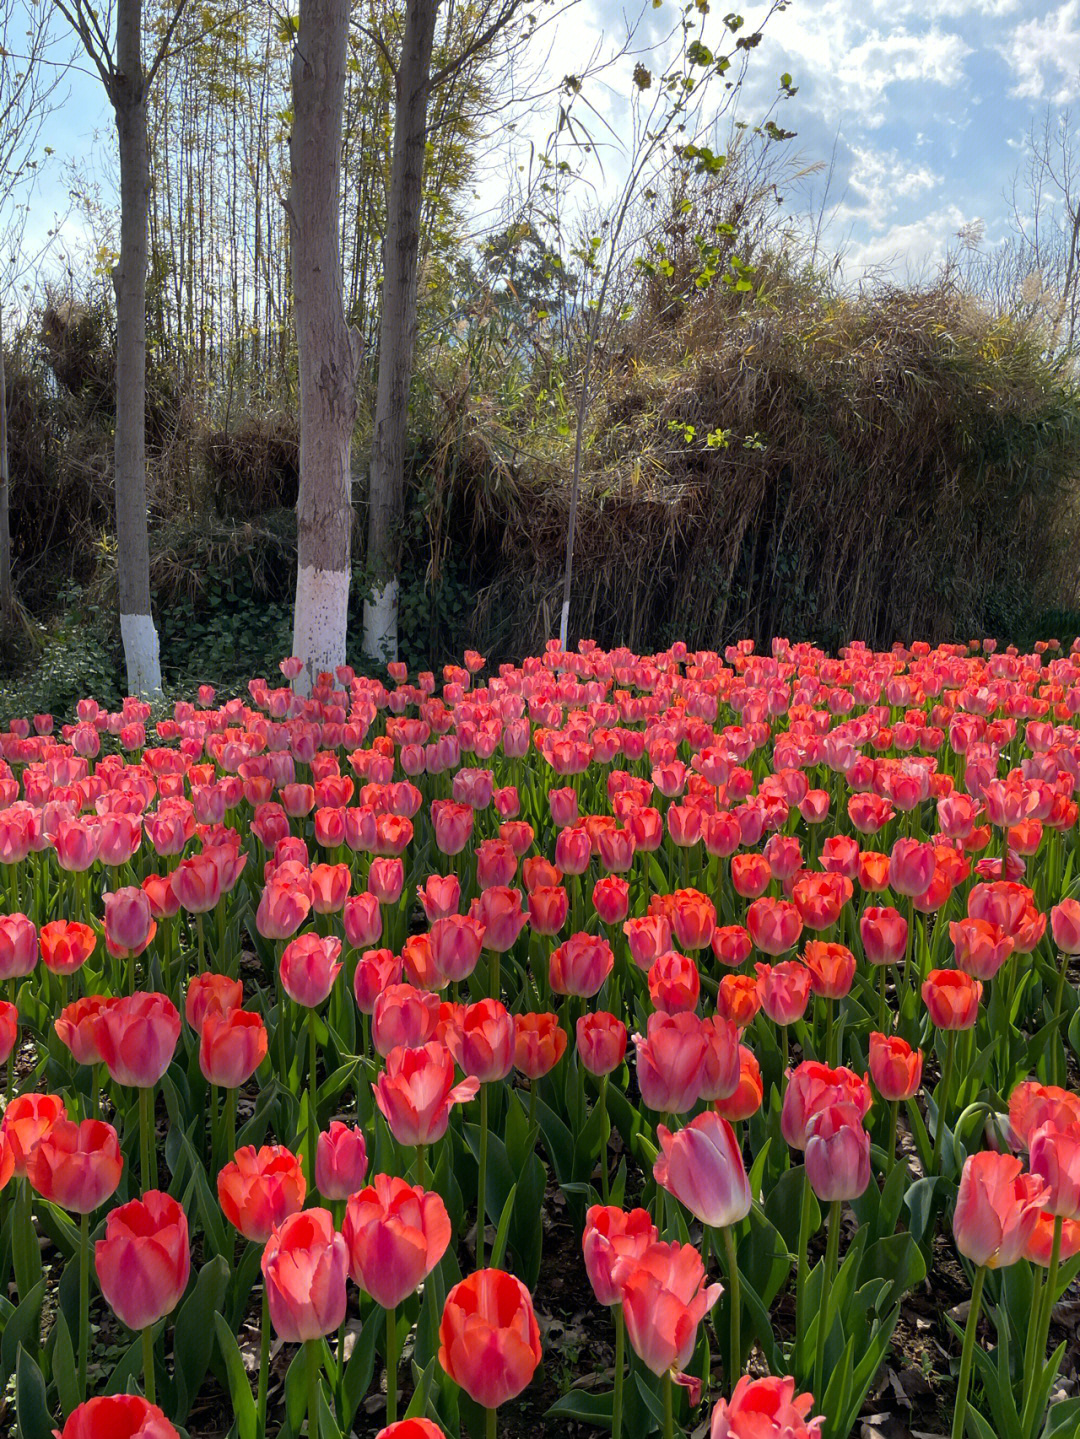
489	1340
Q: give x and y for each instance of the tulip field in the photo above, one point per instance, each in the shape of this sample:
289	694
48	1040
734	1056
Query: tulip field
681	1044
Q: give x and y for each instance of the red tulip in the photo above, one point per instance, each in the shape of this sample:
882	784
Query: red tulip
18	946
77	1027
750	874
404	1016
612	1243
981	948
482	1042
309	966
811	1088
499	911
671	1060
911	866
738	999
196	882
416	1092
664	1298
601	1042
376	970
895	1067
702	1166
211	993
649	936
693	918
362	918
749	1091
539	1044
329	887
952	998
341	1161
9	1028
580	965
884	934
765	1408
136	1035
129	922
732	945
1065	923
144	1261
1054	1157
304	1266
231	1047
66	945
774	924
1032	1105
549	904
76	1166
260	1189
396	1234
440	896
117	1416
784	990
831	966
489	1340
819	898
837	1153
674	983
997	1208
282	909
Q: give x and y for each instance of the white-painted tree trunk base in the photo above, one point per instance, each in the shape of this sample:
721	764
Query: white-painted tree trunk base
320	621
381	623
564	624
141	655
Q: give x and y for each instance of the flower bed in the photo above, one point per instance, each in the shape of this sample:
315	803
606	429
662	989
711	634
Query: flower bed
729	994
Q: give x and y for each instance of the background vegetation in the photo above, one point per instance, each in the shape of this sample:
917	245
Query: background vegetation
766	450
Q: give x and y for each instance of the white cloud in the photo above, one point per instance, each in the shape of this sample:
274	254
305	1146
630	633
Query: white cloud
1045	55
908	249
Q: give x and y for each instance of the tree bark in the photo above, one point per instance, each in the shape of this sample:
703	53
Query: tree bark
397	328
327	348
128	96
7	598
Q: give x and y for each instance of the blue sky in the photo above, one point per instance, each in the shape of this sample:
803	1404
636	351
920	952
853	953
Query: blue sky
925	107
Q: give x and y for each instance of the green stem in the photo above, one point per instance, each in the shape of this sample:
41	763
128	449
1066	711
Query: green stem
145	1142
264	1361
489	1424
391	1366
620	1365
946	1085
481	1193
313	1125
830	1058
1045	1312
890	1148
605	1131
832	1248
731	1264
84	1301
883	1008
230	1125
801	1274
148	1363
202	943
1057	1050
669	1408
311	1347
421	1167
968	1355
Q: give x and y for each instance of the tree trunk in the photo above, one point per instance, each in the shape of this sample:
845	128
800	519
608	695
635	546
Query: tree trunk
7	598
327	348
397	328
129	281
